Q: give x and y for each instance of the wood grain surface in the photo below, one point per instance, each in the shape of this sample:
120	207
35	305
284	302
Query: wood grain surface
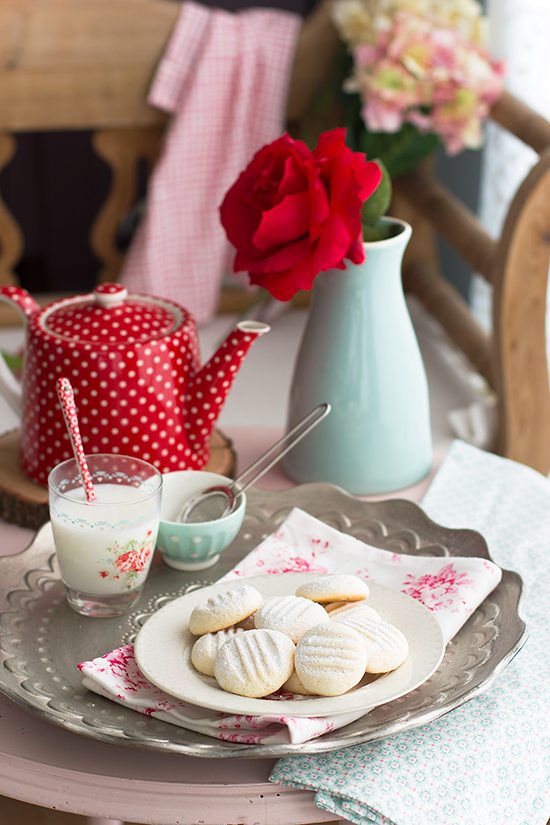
80	65
519	319
11	237
25	503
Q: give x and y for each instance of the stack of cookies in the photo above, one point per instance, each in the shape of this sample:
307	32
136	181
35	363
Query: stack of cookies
320	641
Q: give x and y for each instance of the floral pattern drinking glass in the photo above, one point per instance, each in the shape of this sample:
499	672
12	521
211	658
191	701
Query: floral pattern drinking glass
104	548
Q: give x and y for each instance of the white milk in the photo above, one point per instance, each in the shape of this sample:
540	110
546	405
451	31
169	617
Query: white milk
105	547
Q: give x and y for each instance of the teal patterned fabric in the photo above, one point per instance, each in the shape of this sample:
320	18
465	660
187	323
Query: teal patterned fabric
487	762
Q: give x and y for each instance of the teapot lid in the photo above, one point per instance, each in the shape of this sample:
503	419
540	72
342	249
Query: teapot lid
110	317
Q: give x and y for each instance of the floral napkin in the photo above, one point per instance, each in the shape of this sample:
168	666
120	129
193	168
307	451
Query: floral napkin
487	762
450	589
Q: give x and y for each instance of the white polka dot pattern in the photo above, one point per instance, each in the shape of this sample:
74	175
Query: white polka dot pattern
66	399
21	298
110	295
103	323
135	370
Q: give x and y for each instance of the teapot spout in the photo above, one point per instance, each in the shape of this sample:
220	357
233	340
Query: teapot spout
208	389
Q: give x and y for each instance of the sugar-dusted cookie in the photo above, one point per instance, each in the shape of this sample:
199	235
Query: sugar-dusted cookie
291	615
206	648
248	623
386	646
330	606
255	663
294	685
337	611
334	587
330	659
224	609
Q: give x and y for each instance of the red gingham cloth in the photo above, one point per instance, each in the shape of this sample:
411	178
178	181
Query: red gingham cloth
224	77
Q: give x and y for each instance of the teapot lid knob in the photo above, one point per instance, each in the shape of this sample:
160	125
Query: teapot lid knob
110	295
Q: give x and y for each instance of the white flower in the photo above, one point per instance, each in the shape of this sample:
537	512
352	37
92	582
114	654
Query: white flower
352	20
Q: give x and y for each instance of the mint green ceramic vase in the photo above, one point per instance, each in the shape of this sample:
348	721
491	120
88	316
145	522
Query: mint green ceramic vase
359	352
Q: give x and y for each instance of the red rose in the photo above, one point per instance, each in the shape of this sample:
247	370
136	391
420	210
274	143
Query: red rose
294	213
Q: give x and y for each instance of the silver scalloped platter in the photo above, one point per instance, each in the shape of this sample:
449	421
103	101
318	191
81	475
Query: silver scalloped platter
42	639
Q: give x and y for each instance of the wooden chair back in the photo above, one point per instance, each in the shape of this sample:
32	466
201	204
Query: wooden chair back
82	64
88	64
513	358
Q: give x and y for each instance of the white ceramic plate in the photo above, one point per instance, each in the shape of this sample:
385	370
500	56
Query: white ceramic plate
163	653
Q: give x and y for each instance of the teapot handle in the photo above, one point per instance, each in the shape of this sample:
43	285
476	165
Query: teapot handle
10	387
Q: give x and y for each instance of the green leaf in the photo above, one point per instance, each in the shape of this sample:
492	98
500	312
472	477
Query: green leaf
14	362
378	203
379	232
400	151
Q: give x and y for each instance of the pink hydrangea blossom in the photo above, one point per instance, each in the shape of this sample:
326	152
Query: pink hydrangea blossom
412	66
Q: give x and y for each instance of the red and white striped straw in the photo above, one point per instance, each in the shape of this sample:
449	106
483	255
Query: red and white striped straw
66	399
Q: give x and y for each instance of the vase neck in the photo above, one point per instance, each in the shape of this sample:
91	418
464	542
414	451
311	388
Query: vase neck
379	274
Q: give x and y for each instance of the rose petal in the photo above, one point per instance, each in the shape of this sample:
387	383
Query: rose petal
318	202
331	143
333	244
293	179
356	252
331	149
284	285
238	217
369	176
239	213
293	213
286	222
278	261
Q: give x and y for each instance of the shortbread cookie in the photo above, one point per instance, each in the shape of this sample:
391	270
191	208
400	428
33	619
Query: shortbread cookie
330	606
337	610
291	615
248	623
334	587
330	659
255	663
386	646
205	649
294	685
224	609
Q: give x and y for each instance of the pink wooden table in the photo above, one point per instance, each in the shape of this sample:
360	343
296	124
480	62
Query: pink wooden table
47	766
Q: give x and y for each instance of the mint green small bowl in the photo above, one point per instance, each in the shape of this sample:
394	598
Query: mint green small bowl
194	546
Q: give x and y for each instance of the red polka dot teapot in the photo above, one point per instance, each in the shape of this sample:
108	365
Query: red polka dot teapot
133	361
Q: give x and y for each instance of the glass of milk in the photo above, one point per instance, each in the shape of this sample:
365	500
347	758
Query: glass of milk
104	548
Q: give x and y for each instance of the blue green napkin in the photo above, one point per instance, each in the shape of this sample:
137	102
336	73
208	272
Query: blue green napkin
487	762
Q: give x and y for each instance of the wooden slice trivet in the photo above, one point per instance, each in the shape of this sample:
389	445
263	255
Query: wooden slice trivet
25	503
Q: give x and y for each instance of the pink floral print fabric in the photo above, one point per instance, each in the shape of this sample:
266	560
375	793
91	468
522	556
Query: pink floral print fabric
452	590
116	676
487	762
